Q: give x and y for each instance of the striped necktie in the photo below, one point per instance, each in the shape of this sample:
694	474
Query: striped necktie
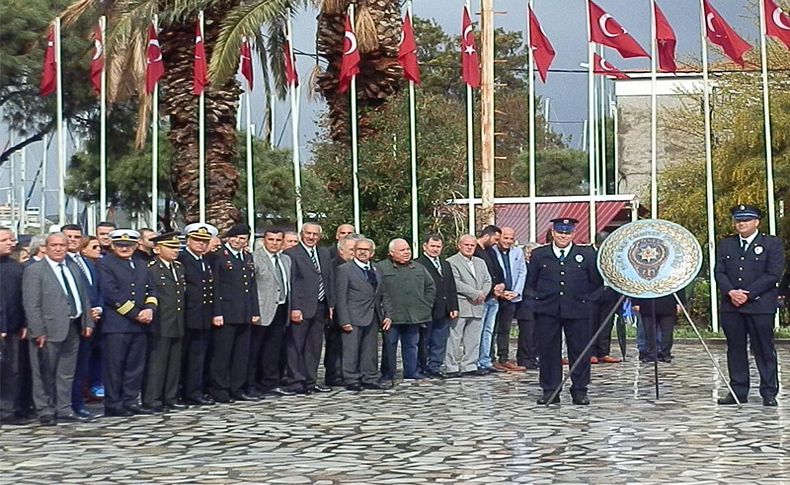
321	289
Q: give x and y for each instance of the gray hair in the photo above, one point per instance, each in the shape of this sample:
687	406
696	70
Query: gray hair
392	244
464	236
351	237
366	240
315	224
36	242
53	235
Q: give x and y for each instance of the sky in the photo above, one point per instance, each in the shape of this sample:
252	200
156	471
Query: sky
564	22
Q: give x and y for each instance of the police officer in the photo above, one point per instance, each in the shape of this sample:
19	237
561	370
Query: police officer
561	278
199	310
163	369
235	310
749	265
130	301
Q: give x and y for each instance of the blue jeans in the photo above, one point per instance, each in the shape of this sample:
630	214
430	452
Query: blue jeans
433	345
409	336
489	318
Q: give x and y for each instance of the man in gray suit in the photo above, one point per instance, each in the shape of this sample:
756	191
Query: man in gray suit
55	298
473	283
359	312
273	281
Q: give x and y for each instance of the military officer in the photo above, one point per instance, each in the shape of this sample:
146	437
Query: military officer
199	310
561	278
163	369
749	265
235	311
130	302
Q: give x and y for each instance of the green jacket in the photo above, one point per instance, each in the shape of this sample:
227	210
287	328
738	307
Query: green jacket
409	292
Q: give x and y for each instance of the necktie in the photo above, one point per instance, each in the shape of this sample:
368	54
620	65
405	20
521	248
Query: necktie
321	290
562	255
437	264
371	276
744	244
69	293
508	272
81	264
278	275
131	263
202	264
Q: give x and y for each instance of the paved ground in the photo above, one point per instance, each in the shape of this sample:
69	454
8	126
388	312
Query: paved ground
470	430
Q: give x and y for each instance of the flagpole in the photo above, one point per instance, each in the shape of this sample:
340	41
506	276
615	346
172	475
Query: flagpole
769	157
714	304
154	147
470	153
653	114
602	130
202	141
354	138
42	207
590	126
103	122
250	171
59	130
297	165
533	223
415	228
272	103
615	147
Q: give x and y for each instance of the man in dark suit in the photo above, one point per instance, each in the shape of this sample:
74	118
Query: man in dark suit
333	341
486	241
199	311
561	278
749	266
359	315
130	301
58	311
73	234
163	367
433	337
235	311
312	303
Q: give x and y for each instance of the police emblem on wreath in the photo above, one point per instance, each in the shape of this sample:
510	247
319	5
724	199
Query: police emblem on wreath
649	258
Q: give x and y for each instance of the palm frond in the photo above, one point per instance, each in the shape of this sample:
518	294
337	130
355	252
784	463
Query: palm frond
276	48
143	119
365	29
334	6
73	12
180	11
263	58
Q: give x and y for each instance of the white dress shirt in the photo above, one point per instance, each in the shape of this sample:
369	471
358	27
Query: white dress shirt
69	281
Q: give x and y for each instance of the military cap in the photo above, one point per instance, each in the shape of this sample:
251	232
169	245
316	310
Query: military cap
169	239
201	231
745	212
564	224
239	230
124	237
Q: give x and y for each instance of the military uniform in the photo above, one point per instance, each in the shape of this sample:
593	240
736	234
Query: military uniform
165	341
127	290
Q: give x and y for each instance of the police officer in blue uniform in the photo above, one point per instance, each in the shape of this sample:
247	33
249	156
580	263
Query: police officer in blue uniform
561	279
129	304
749	266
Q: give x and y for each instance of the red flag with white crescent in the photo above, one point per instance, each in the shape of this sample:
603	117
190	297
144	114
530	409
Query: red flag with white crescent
720	33
407	52
155	68
200	67
97	60
246	62
605	68
349	67
665	41
470	62
542	50
777	22
49	72
291	74
605	30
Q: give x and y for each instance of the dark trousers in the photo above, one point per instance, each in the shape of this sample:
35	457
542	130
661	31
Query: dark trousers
303	350
195	349
603	344
504	320
124	364
759	331
163	370
360	355
527	352
10	376
94	360
333	355
229	359
548	330
433	345
659	343
266	369
53	372
409	336
82	374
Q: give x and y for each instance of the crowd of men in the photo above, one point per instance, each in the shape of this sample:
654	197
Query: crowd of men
153	323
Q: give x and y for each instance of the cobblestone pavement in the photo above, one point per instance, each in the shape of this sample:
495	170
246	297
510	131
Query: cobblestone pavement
469	430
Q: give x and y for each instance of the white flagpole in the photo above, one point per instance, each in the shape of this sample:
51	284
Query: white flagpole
154	148
615	147
202	140
42	207
103	122
22	192
354	140
769	157
12	187
415	226
470	154
653	114
60	131
272	135
297	166
249	168
714	301
591	126
533	223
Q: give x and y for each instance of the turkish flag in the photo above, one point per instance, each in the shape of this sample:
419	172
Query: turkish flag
605	68
291	74
665	41
199	68
155	68
97	61
605	30
349	67
542	50
49	75
470	63
777	22
407	52
246	61
720	33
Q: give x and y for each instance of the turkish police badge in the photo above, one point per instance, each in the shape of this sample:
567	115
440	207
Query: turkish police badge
649	258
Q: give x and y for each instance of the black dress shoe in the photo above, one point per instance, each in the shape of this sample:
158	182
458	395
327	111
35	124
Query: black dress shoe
281	391
243	396
153	409
545	399
453	375
373	385
335	384
729	400
139	410
47	421
580	399
492	370
118	412
200	401
770	401
85	413
176	406
223	399
437	375
74	418
319	388
354	387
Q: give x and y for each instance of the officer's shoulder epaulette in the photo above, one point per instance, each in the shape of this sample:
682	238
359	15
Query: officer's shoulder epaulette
177	263
152	263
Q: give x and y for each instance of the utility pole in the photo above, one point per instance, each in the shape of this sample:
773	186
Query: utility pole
487	111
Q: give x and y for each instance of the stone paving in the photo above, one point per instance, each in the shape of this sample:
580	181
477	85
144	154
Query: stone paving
469	430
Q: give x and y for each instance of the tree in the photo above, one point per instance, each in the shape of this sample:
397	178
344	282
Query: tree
558	171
